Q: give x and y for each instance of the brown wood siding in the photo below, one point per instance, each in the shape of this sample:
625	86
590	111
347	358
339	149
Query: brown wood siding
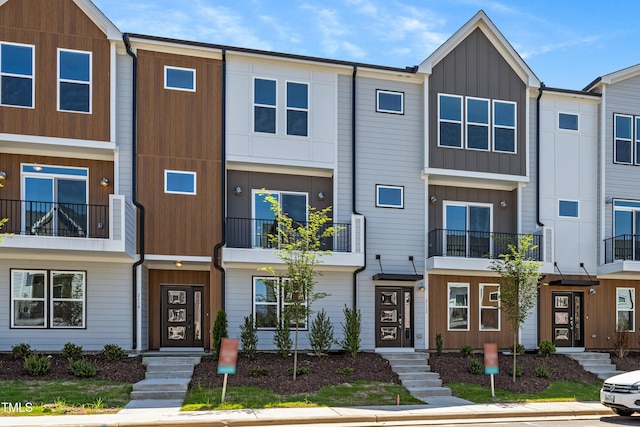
179	130
438	310
475	68
49	25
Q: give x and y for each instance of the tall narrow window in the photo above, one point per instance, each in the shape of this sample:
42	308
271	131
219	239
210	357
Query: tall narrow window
29	296
297	109
450	121
504	126
265	303
74	81
626	309
637	139
264	106
489	307
17	75
478	123
458	303
623	130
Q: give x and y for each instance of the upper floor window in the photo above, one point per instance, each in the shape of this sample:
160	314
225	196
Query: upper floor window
388	196
264	105
297	109
294	205
568	208
467	229
177	78
567	121
74	81
179	182
389	102
17	65
477	123
504	126
450	120
623	141
626	226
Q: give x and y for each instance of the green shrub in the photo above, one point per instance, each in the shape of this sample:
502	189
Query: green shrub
345	371
519	349
439	344
542	371
475	366
70	350
249	337
282	337
546	347
113	352
82	368
300	371
321	334
219	331
351	330
466	350
22	350
518	371
37	364
257	371
621	339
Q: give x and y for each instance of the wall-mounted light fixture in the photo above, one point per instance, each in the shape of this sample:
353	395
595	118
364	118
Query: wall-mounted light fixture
321	196
3	176
237	191
608	199
421	287
104	182
433	199
503	204
178	263
37	167
592	291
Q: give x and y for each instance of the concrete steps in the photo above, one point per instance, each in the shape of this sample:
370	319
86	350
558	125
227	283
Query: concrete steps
598	363
415	374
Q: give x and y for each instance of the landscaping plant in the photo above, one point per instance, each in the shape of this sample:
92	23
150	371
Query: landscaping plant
621	339
439	343
321	334
249	337
466	350
71	350
21	350
546	347
37	364
113	352
82	368
351	330
282	337
219	331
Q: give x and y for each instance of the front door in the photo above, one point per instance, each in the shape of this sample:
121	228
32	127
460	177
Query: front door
567	319
394	317
181	315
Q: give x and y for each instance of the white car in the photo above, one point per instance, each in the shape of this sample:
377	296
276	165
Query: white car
622	393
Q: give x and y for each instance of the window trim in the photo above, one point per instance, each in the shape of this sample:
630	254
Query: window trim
450	307
635	144
24	76
287	108
59	80
44	299
195	182
280	301
171	67
84	299
255	104
446	203
566	113
390	187
389	92
461	122
486	307
615	139
632	310
494	126
570	201
467	122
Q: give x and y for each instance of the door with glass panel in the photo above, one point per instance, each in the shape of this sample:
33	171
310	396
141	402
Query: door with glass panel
394	317
181	315
567	320
294	205
626	230
467	230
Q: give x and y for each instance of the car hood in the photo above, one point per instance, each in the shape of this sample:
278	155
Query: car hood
628	378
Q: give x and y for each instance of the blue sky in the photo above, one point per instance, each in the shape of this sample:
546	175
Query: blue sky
567	43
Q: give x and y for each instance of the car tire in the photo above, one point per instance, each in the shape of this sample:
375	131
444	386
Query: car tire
623	412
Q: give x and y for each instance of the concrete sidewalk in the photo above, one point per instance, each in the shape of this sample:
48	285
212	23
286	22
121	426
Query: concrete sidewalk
429	414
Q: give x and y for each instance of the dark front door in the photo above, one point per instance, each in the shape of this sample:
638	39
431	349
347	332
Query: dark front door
567	319
394	317
181	315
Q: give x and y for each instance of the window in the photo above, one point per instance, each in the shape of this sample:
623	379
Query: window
74	81
55	200
504	126
458	313
48	299
478	124
297	108
568	208
489	307
294	204
389	102
270	301
450	121
623	130
179	182
264	106
467	229
17	65
388	196
626	308
626	225
637	144
567	121
180	78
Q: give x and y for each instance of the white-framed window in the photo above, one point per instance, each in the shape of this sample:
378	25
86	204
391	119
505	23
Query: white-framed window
637	140
295	204
569	208
458	307
489	307
568	121
389	196
179	182
178	78
74	81
17	75
449	121
504	126
623	137
264	105
477	135
48	299
626	308
468	228
388	101
270	301
297	109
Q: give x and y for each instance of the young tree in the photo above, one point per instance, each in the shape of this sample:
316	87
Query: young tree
300	248
519	281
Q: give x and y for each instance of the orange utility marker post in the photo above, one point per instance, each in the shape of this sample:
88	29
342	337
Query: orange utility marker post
227	361
491	363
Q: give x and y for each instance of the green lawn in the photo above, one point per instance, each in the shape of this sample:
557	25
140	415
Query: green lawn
557	391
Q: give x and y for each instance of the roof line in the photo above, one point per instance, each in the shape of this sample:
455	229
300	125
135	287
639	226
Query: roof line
571	91
592	84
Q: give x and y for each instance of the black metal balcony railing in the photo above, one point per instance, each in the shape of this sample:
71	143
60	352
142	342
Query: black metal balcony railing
477	244
625	247
27	217
254	233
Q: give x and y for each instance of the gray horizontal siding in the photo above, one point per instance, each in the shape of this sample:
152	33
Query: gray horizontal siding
124	94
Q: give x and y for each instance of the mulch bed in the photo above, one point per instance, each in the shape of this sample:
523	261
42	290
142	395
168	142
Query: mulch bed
631	362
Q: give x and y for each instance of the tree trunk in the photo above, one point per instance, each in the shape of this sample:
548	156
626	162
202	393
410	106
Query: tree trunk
295	347
515	353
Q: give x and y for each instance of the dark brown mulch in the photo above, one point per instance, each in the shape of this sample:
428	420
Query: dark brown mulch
322	371
452	367
631	362
129	370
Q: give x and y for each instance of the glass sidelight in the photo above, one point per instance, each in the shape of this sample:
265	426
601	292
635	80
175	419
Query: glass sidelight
567	319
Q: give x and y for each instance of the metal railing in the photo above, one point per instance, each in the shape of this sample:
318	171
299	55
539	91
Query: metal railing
625	247
254	233
478	244
34	218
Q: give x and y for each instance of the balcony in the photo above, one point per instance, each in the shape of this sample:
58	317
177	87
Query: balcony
621	256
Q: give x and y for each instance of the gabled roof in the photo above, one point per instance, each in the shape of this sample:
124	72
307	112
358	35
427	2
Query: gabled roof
615	77
481	20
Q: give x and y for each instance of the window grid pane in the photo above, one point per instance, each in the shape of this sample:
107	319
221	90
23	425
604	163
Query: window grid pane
297	108
264	110
623	139
16	75
74	81
504	126
450	121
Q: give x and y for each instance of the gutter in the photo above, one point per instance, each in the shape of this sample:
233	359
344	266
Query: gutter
540	90
134	191
219	245
353	184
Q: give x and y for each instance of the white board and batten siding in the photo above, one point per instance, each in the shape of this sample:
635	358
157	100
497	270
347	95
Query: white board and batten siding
124	123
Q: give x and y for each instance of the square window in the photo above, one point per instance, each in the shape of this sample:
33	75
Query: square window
74	81
179	182
568	208
180	78
568	121
389	102
388	196
17	75
264	109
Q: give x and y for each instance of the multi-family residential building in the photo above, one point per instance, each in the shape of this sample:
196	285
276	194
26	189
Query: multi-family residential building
135	170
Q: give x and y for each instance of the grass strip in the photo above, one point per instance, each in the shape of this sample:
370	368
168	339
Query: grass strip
557	391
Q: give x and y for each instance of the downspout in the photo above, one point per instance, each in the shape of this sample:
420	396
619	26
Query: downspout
219	245
353	185
540	90
134	191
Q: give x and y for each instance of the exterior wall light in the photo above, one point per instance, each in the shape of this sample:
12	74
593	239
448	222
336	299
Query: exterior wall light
3	176
104	182
321	196
433	199
237	191
178	264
